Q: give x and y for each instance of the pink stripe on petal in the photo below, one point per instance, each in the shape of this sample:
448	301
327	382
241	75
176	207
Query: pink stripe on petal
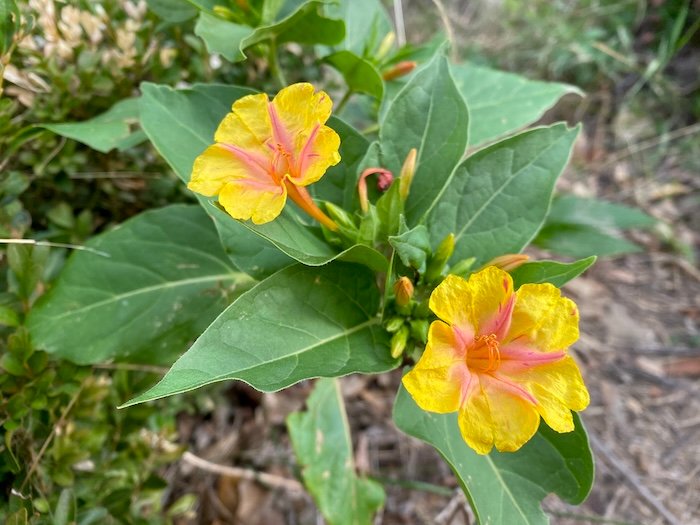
307	152
511	387
279	132
499	323
256	163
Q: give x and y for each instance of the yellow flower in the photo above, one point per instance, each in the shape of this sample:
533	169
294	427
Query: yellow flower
498	358
266	151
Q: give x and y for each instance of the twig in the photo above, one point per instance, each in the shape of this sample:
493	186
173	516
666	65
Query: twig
451	508
34	242
400	25
264	478
631	477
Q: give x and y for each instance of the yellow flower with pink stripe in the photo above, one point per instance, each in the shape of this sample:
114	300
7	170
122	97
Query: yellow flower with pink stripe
498	358
268	151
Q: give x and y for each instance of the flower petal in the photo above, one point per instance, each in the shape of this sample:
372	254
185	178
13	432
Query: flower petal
440	379
299	108
318	153
222	163
543	318
248	125
474	302
249	199
494	415
558	388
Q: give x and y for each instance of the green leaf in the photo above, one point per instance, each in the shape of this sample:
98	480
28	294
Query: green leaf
306	244
113	129
582	241
360	75
366	24
181	124
173	11
428	114
552	272
323	446
10	21
501	103
413	247
569	209
305	24
297	324
506	487
498	198
164	280
390	208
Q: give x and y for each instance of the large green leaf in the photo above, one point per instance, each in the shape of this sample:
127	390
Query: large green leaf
113	129
428	114
366	24
501	103
498	198
164	278
181	124
582	241
323	446
506	488
570	209
173	11
303	23
297	324
552	272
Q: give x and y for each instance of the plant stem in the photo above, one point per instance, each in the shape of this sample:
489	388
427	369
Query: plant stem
274	65
343	101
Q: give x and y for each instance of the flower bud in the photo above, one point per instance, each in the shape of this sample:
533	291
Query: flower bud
385	46
419	330
403	289
385	177
342	218
440	257
398	341
399	70
508	262
463	267
406	176
394	324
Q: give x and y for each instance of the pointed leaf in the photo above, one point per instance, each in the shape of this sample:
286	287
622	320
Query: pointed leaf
552	272
413	247
501	103
582	241
164	279
323	446
506	487
498	198
113	129
297	324
570	209
428	114
181	124
360	75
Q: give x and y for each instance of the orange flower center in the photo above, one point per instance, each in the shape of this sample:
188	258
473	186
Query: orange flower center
483	355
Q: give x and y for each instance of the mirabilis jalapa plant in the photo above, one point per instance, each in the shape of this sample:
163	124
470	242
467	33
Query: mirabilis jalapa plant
489	361
346	256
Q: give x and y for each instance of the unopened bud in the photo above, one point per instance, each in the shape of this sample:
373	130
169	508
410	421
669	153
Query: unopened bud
399	70
225	13
385	177
463	267
385	46
440	257
403	289
422	309
342	218
394	324
419	330
408	170
509	261
398	341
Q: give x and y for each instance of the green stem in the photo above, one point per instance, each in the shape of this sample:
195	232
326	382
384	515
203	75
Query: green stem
344	100
274	65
